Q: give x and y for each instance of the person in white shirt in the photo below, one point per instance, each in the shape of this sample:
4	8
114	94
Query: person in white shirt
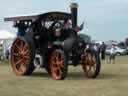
112	54
95	47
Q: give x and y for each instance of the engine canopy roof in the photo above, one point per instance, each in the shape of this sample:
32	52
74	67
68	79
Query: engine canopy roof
49	16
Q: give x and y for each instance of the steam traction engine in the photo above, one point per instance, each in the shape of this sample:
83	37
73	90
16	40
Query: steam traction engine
50	41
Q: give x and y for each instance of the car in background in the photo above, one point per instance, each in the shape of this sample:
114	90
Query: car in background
123	46
118	50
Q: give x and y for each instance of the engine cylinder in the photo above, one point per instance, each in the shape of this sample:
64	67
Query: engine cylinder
74	44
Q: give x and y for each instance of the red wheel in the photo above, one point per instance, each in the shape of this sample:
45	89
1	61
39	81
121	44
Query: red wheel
21	57
91	64
58	65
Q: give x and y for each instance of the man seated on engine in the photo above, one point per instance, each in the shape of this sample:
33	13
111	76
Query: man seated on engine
55	31
69	31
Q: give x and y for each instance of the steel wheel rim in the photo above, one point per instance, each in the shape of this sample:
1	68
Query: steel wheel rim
20	56
89	64
57	65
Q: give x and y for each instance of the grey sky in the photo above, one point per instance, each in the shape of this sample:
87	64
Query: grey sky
104	19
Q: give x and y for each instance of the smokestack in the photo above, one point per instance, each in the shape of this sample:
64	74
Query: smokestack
74	7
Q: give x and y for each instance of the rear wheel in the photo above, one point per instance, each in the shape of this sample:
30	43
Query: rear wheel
91	64
58	64
22	55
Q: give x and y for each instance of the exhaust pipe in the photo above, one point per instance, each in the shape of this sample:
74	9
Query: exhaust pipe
74	7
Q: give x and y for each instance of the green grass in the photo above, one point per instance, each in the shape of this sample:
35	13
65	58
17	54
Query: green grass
112	81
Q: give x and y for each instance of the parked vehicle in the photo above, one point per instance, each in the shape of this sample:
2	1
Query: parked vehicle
118	50
123	45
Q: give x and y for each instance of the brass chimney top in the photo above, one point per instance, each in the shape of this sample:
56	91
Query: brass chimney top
74	5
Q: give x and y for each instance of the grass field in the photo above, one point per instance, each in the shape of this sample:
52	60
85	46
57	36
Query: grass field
112	81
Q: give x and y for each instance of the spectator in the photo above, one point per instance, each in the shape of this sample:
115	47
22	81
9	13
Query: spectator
1	53
95	47
7	54
112	54
102	50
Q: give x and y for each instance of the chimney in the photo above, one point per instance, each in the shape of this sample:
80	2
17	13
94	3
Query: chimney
74	7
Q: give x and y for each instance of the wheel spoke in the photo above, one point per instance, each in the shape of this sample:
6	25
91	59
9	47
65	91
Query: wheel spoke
90	59
26	57
26	52
57	57
23	61
57	54
58	67
25	47
60	71
21	44
94	67
18	47
55	69
19	61
22	67
89	72
94	59
60	64
15	54
53	61
87	68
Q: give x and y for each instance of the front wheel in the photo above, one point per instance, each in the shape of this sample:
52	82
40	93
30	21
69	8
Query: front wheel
58	64
91	63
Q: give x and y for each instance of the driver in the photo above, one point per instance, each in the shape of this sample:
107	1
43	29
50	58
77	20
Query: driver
56	31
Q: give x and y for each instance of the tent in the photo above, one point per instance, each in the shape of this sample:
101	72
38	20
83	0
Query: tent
6	35
6	39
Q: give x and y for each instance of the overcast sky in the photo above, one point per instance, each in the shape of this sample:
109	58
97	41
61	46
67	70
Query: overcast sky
104	19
